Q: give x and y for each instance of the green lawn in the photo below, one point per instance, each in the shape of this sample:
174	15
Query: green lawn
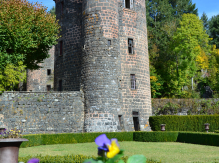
167	152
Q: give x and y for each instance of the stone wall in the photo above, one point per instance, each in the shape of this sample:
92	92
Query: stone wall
185	106
39	112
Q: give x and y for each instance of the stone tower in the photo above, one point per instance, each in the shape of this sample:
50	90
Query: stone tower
103	52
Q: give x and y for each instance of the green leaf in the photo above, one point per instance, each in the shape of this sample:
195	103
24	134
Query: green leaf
121	161
137	159
92	161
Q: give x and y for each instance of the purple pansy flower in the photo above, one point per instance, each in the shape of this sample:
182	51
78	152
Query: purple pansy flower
34	160
103	142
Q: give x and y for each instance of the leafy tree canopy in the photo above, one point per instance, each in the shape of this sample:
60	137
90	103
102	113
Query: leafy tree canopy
214	30
187	49
204	18
27	32
52	11
12	75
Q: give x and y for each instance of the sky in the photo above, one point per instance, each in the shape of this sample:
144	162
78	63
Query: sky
210	7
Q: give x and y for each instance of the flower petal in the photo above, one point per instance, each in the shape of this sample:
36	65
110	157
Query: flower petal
34	160
113	150
102	139
114	139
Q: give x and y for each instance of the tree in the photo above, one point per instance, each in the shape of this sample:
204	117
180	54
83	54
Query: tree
12	75
52	11
204	18
27	32
186	52
214	30
163	17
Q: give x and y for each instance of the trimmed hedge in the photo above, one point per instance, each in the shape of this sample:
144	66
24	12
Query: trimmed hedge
57	159
199	138
158	136
184	123
175	136
68	159
71	138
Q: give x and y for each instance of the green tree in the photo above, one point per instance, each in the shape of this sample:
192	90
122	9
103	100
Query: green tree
204	18
163	18
52	11
188	42
11	76
214	30
27	32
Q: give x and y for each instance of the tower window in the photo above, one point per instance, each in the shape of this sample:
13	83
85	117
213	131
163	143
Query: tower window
48	87
109	42
127	3
60	48
130	46
48	72
133	81
120	120
60	85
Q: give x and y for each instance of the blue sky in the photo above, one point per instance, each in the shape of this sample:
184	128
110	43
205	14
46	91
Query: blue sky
210	7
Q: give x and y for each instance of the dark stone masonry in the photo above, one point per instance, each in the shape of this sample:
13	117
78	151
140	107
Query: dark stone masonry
39	112
102	57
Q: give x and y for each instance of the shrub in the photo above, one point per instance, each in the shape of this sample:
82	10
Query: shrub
184	123
158	136
71	138
68	159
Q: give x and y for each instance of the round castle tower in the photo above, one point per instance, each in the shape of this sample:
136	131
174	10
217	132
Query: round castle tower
103	52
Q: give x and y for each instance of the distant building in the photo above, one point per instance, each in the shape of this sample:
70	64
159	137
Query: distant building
42	79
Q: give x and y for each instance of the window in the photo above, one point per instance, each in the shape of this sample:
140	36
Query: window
62	5
60	85
48	87
48	72
130	46
120	120
133	81
60	48
109	42
128	4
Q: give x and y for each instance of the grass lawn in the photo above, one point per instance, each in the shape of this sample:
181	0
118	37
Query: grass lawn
167	152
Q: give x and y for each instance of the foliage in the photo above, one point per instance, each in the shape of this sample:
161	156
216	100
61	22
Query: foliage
156	83
27	32
12	75
68	159
185	48
162	21
193	106
52	11
156	136
204	18
71	138
13	133
214	30
199	138
184	123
